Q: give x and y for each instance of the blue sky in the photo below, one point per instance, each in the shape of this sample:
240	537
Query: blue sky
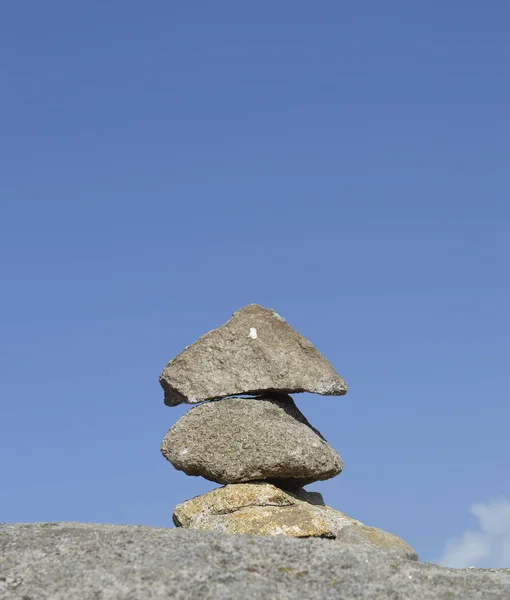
347	164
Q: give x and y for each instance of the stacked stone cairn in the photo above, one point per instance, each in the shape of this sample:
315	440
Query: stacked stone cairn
247	434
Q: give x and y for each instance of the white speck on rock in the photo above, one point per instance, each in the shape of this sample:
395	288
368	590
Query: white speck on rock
184	451
253	333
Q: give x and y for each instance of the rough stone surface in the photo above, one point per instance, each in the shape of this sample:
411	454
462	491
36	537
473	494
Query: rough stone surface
374	537
371	536
254	352
247	439
264	509
260	509
296	521
73	561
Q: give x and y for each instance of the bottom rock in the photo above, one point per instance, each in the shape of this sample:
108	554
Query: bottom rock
264	509
78	561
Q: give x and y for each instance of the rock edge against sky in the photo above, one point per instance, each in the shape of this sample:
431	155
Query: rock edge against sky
76	561
255	351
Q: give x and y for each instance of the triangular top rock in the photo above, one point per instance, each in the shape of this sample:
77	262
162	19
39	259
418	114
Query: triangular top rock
256	351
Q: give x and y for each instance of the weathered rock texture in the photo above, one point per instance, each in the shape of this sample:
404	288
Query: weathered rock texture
74	561
254	352
237	440
264	509
255	508
359	534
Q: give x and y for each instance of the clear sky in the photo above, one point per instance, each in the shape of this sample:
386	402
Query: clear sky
345	163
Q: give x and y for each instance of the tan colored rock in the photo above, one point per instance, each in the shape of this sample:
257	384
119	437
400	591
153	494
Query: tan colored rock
260	509
295	521
256	351
372	536
264	509
228	499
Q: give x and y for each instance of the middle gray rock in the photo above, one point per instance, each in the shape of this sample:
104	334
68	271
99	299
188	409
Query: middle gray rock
237	440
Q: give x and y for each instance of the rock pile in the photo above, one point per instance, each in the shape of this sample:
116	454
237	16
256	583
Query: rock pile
261	448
